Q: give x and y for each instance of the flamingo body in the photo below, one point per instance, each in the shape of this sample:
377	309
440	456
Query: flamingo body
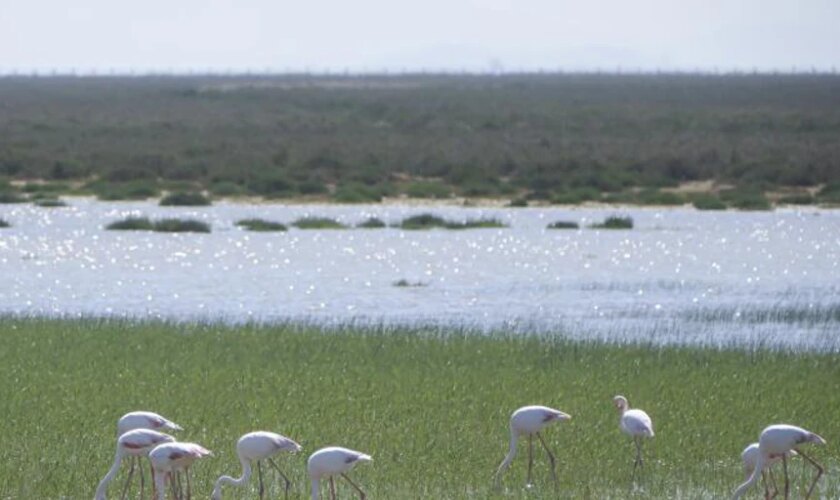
529	421
331	461
144	420
253	447
170	458
636	424
750	458
136	443
775	442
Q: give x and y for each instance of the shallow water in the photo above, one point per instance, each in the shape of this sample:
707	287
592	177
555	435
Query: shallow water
681	276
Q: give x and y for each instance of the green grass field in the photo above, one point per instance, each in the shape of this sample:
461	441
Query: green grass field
432	408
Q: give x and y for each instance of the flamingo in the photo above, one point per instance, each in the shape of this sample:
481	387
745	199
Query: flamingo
142	420
257	446
636	424
529	421
134	444
169	458
750	458
776	441
327	462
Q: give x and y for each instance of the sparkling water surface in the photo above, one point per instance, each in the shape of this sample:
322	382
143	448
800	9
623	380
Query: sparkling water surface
680	276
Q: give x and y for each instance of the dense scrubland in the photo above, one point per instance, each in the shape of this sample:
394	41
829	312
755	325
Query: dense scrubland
431	406
560	138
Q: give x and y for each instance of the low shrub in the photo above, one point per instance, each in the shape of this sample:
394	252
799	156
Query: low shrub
11	197
431	221
131	224
708	202
614	222
371	223
357	193
185	199
317	223
226	188
261	225
49	202
133	190
180	226
797	199
427	189
404	283
3	223
518	203
563	224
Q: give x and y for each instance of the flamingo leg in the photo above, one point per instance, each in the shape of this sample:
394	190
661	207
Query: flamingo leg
142	479
820	471
787	481
773	482
172	486
638	462
361	493
551	460
288	483
259	474
332	488
128	479
189	489
530	458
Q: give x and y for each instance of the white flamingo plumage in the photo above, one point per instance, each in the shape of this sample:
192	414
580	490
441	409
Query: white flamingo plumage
529	421
144	420
331	461
775	442
255	447
750	458
636	424
171	458
134	444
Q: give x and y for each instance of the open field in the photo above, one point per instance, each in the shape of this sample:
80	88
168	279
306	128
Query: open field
561	138
430	406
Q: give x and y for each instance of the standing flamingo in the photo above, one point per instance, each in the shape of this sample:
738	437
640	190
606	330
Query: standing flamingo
257	446
776	441
142	420
171	458
135	444
636	424
529	421
750	458
330	461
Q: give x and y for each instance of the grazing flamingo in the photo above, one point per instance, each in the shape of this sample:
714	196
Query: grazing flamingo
636	424
134	444
750	458
776	441
330	461
257	446
143	420
170	458
529	421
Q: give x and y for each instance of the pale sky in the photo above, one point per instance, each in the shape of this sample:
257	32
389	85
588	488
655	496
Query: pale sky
453	35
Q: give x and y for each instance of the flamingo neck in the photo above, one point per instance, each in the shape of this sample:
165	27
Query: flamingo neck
514	437
759	465
103	485
246	475
316	489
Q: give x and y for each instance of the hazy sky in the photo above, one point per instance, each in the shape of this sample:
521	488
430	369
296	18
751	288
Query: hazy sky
371	35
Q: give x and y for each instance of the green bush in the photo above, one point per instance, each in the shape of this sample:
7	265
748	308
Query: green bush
518	203
423	221
708	202
226	188
317	223
131	224
614	222
428	189
184	199
45	187
657	197
484	223
3	223
357	193
575	196
830	193
11	197
746	199
563	224
797	199
133	190
261	225
371	223
180	226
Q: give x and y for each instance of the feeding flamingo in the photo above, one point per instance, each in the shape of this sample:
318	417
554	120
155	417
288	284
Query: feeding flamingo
327	462
255	447
776	441
134	444
636	424
529	421
171	458
142	420
750	458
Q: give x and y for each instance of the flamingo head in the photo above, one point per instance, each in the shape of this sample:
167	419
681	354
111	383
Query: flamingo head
621	403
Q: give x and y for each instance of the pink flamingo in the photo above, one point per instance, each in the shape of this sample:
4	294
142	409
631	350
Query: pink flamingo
134	444
255	447
171	458
636	424
327	462
776	441
142	420
750	458
529	421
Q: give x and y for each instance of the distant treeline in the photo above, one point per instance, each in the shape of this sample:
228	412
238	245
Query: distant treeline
563	138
